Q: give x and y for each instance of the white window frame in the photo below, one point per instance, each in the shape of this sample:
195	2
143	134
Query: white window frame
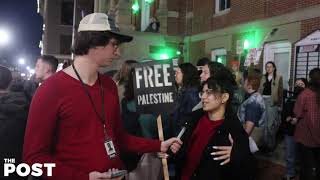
145	15
270	49
218	52
218	11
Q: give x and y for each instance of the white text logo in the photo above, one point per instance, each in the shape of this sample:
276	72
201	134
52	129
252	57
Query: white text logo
24	169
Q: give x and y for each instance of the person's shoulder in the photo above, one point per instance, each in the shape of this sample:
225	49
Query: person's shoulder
307	92
53	83
108	81
55	78
15	98
304	92
257	96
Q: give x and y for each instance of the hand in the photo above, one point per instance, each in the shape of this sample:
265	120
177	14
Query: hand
173	143
224	152
288	118
103	176
294	121
162	155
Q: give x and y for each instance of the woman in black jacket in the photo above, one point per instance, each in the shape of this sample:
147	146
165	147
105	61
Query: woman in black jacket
214	128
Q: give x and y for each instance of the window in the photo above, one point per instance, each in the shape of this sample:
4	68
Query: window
65	44
219	55
67	13
222	5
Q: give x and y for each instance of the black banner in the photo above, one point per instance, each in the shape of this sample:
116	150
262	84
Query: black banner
154	87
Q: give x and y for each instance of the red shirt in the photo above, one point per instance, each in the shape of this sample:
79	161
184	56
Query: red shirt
308	128
63	128
204	131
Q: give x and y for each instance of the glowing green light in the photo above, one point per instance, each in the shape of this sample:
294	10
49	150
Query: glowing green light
219	60
135	7
148	1
246	44
178	52
164	56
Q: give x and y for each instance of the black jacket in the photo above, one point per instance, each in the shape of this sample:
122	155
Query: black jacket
13	118
287	127
242	163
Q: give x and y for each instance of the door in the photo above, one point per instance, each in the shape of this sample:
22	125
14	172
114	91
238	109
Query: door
282	62
280	54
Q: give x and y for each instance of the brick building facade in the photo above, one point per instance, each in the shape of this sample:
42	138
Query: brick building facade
207	30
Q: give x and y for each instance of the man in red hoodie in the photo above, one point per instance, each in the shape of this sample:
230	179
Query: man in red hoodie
74	119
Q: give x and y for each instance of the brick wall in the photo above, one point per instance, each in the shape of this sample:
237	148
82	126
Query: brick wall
241	11
309	26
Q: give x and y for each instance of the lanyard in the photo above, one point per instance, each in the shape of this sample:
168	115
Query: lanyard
102	117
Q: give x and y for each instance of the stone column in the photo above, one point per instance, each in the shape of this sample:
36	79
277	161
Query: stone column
96	6
101	6
122	12
162	14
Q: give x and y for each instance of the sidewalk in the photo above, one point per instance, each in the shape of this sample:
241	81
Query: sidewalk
271	166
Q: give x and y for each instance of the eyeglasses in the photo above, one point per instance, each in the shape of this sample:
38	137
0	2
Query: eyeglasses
115	44
206	92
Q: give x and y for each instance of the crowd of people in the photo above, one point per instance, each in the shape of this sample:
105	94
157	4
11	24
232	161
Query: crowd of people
87	123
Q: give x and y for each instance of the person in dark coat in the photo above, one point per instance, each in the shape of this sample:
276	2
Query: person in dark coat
188	82
289	128
13	118
216	125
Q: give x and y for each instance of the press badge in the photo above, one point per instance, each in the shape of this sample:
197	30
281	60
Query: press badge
111	151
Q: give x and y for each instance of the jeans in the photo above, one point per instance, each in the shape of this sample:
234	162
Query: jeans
290	155
271	125
310	162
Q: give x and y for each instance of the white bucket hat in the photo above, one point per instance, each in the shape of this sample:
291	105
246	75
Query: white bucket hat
102	22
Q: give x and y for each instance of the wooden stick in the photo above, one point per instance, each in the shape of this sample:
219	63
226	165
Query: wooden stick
161	138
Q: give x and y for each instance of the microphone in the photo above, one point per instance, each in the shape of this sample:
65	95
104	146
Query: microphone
181	133
183	130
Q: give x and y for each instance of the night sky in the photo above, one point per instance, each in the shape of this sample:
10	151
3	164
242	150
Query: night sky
21	19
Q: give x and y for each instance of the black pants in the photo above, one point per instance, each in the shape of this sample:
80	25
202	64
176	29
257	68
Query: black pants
310	162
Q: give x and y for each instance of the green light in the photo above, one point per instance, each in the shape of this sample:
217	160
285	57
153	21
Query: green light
135	7
219	60
246	44
164	56
178	53
148	1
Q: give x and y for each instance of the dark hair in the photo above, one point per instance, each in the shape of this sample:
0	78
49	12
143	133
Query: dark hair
123	73
128	87
253	79
5	77
90	39
218	71
126	77
304	80
203	61
274	72
215	67
314	76
190	75
222	85
51	60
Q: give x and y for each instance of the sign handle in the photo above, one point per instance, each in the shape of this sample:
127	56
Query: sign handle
161	138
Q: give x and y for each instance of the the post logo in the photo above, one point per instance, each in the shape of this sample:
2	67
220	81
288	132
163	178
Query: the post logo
24	170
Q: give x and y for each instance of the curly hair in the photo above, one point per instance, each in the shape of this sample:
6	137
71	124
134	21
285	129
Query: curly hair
123	73
222	84
190	75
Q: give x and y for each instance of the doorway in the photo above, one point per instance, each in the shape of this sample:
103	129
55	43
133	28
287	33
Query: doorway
280	54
